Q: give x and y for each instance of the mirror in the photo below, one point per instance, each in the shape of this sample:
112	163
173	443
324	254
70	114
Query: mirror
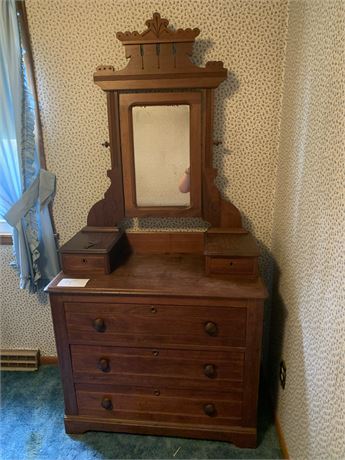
161	143
161	138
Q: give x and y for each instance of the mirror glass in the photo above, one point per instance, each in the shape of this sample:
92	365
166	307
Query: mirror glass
161	140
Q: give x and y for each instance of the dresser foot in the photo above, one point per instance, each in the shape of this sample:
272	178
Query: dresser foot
238	436
72	427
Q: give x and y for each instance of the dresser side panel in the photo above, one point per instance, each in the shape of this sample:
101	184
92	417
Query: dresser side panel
63	351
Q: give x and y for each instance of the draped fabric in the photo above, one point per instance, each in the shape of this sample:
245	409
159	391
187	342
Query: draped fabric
25	188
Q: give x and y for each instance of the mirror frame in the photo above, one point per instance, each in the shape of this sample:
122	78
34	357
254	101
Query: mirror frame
129	100
159	60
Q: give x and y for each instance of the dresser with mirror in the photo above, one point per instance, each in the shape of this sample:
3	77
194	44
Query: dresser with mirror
165	336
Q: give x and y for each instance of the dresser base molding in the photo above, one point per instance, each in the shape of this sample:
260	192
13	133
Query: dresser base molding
239	436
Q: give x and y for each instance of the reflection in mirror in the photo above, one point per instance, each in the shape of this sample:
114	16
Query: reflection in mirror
161	140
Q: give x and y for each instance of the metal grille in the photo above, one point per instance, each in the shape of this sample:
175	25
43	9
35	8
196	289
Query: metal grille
19	360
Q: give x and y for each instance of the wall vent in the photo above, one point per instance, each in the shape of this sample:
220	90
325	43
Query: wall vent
19	360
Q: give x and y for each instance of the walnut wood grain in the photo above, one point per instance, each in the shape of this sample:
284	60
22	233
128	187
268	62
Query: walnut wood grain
64	357
220	243
166	242
158	63
240	436
159	57
166	368
159	404
157	346
165	275
135	325
234	267
110	210
252	362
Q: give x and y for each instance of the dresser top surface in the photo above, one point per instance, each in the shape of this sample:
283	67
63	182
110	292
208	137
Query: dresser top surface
163	275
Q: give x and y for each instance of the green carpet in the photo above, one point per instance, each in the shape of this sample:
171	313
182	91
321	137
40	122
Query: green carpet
32	428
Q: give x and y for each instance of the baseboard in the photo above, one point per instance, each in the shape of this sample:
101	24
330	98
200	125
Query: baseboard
281	437
48	360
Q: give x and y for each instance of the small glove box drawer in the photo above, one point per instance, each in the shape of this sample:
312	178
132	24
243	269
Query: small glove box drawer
231	254
93	252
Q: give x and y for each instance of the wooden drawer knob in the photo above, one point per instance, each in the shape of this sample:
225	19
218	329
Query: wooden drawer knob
211	328
210	410
104	365
107	404
210	371
99	324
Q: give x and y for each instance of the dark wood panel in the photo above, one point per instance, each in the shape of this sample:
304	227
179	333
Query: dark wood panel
152	325
166	242
84	264
238	435
111	209
252	362
64	357
172	368
233	243
159	404
166	274
234	266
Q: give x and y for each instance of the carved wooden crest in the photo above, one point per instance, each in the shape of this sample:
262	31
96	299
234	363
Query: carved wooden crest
158	32
160	52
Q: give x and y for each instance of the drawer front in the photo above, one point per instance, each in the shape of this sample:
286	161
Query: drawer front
80	264
160	405
236	266
207	370
155	325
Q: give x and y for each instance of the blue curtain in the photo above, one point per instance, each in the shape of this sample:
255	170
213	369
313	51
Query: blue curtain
25	188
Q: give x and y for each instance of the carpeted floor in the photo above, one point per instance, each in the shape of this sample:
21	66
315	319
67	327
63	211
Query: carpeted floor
32	428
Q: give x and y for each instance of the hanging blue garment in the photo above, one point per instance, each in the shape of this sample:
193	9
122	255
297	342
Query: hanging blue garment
25	188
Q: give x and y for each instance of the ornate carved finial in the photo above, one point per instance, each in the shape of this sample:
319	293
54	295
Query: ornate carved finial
159	57
157	24
158	32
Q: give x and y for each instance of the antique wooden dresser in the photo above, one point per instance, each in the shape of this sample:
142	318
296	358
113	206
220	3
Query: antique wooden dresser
165	337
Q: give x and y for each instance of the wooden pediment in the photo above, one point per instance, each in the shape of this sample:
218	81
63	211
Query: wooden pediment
159	57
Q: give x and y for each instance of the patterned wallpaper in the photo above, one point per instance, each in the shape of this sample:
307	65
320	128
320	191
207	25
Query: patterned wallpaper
25	318
70	38
308	233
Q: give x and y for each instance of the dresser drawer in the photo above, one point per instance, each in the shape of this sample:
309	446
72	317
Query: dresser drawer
84	264
155	325
207	370
234	266
160	405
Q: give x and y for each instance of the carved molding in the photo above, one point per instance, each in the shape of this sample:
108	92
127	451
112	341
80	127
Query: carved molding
159	53
158	32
